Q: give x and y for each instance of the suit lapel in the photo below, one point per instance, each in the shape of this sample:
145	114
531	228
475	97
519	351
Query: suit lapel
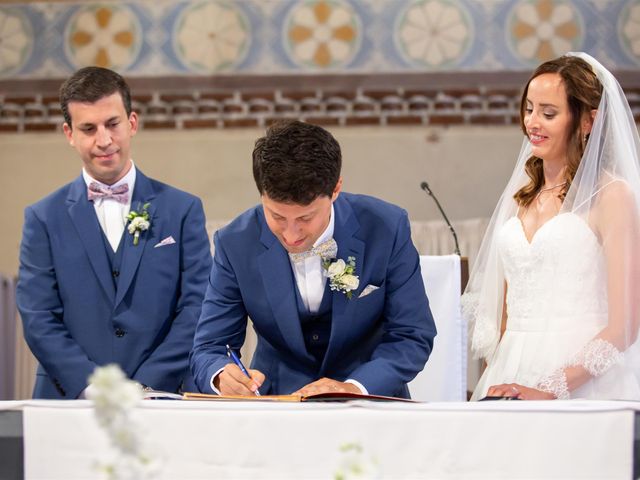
83	216
346	225
132	254
278	281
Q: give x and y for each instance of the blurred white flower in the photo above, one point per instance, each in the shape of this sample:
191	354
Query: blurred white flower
114	396
355	466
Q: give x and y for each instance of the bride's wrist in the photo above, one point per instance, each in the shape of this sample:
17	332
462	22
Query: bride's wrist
555	384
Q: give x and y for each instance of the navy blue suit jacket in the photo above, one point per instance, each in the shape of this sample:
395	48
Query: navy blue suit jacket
73	316
382	340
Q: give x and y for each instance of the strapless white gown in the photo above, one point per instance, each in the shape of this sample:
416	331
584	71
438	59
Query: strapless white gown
556	303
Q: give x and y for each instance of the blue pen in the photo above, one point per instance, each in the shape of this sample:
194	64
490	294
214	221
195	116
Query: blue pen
231	354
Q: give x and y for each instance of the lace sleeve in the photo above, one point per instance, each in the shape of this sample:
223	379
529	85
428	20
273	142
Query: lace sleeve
555	384
483	330
597	357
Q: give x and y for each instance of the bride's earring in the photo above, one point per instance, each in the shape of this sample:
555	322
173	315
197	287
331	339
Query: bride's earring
585	138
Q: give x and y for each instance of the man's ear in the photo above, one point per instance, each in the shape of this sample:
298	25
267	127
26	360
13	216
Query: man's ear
68	133
133	122
336	190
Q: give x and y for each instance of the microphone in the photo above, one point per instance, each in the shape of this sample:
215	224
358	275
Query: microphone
425	186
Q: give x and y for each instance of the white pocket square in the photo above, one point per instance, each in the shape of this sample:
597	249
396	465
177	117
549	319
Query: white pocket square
166	241
367	290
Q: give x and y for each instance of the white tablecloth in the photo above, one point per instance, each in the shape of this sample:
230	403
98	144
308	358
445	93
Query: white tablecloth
494	440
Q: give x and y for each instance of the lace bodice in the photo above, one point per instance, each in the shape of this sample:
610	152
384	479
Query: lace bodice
557	278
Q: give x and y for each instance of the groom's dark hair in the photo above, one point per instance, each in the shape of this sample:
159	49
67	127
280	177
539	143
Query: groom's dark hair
296	162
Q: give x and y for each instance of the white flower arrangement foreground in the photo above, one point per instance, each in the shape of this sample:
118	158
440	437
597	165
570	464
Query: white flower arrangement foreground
355	465
340	274
114	397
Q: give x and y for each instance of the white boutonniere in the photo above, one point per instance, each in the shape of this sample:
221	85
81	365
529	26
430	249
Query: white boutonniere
340	274
138	222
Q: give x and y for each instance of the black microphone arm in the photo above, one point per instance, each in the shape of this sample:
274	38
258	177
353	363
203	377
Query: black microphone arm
425	186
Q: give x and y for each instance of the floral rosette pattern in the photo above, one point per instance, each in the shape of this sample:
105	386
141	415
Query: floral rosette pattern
544	29
434	33
629	29
322	34
212	36
106	35
16	40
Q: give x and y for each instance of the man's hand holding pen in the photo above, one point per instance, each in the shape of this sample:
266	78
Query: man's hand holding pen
232	381
235	379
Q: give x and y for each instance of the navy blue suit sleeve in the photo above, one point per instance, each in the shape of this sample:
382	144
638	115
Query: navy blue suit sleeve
41	309
223	321
168	364
409	328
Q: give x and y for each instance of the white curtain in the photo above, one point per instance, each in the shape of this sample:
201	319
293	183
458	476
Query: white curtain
7	337
18	365
26	364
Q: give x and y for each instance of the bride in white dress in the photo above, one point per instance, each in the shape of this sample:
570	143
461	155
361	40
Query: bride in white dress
554	296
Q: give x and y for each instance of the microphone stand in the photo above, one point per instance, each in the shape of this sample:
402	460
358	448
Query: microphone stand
425	186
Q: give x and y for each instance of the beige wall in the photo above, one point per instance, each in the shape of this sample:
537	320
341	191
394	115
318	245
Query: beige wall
467	167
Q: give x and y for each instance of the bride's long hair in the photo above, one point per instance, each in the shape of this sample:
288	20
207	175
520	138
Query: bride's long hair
584	91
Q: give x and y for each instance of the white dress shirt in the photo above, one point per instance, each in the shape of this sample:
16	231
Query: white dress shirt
309	273
111	214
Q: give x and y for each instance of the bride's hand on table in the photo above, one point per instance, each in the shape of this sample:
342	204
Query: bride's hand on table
518	391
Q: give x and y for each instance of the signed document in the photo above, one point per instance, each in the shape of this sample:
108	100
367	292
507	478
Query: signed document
321	397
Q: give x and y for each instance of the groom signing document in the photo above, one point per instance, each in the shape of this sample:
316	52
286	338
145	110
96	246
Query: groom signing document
331	281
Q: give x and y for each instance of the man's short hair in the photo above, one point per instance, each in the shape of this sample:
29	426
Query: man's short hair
90	84
296	162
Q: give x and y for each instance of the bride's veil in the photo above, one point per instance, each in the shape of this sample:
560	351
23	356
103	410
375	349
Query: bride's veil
606	186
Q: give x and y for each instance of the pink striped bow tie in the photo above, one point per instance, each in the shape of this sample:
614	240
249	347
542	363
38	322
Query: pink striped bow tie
119	194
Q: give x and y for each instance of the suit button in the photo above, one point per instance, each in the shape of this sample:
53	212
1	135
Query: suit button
119	332
315	337
115	273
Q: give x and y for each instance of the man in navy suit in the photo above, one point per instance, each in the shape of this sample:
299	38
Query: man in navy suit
330	280
95	287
